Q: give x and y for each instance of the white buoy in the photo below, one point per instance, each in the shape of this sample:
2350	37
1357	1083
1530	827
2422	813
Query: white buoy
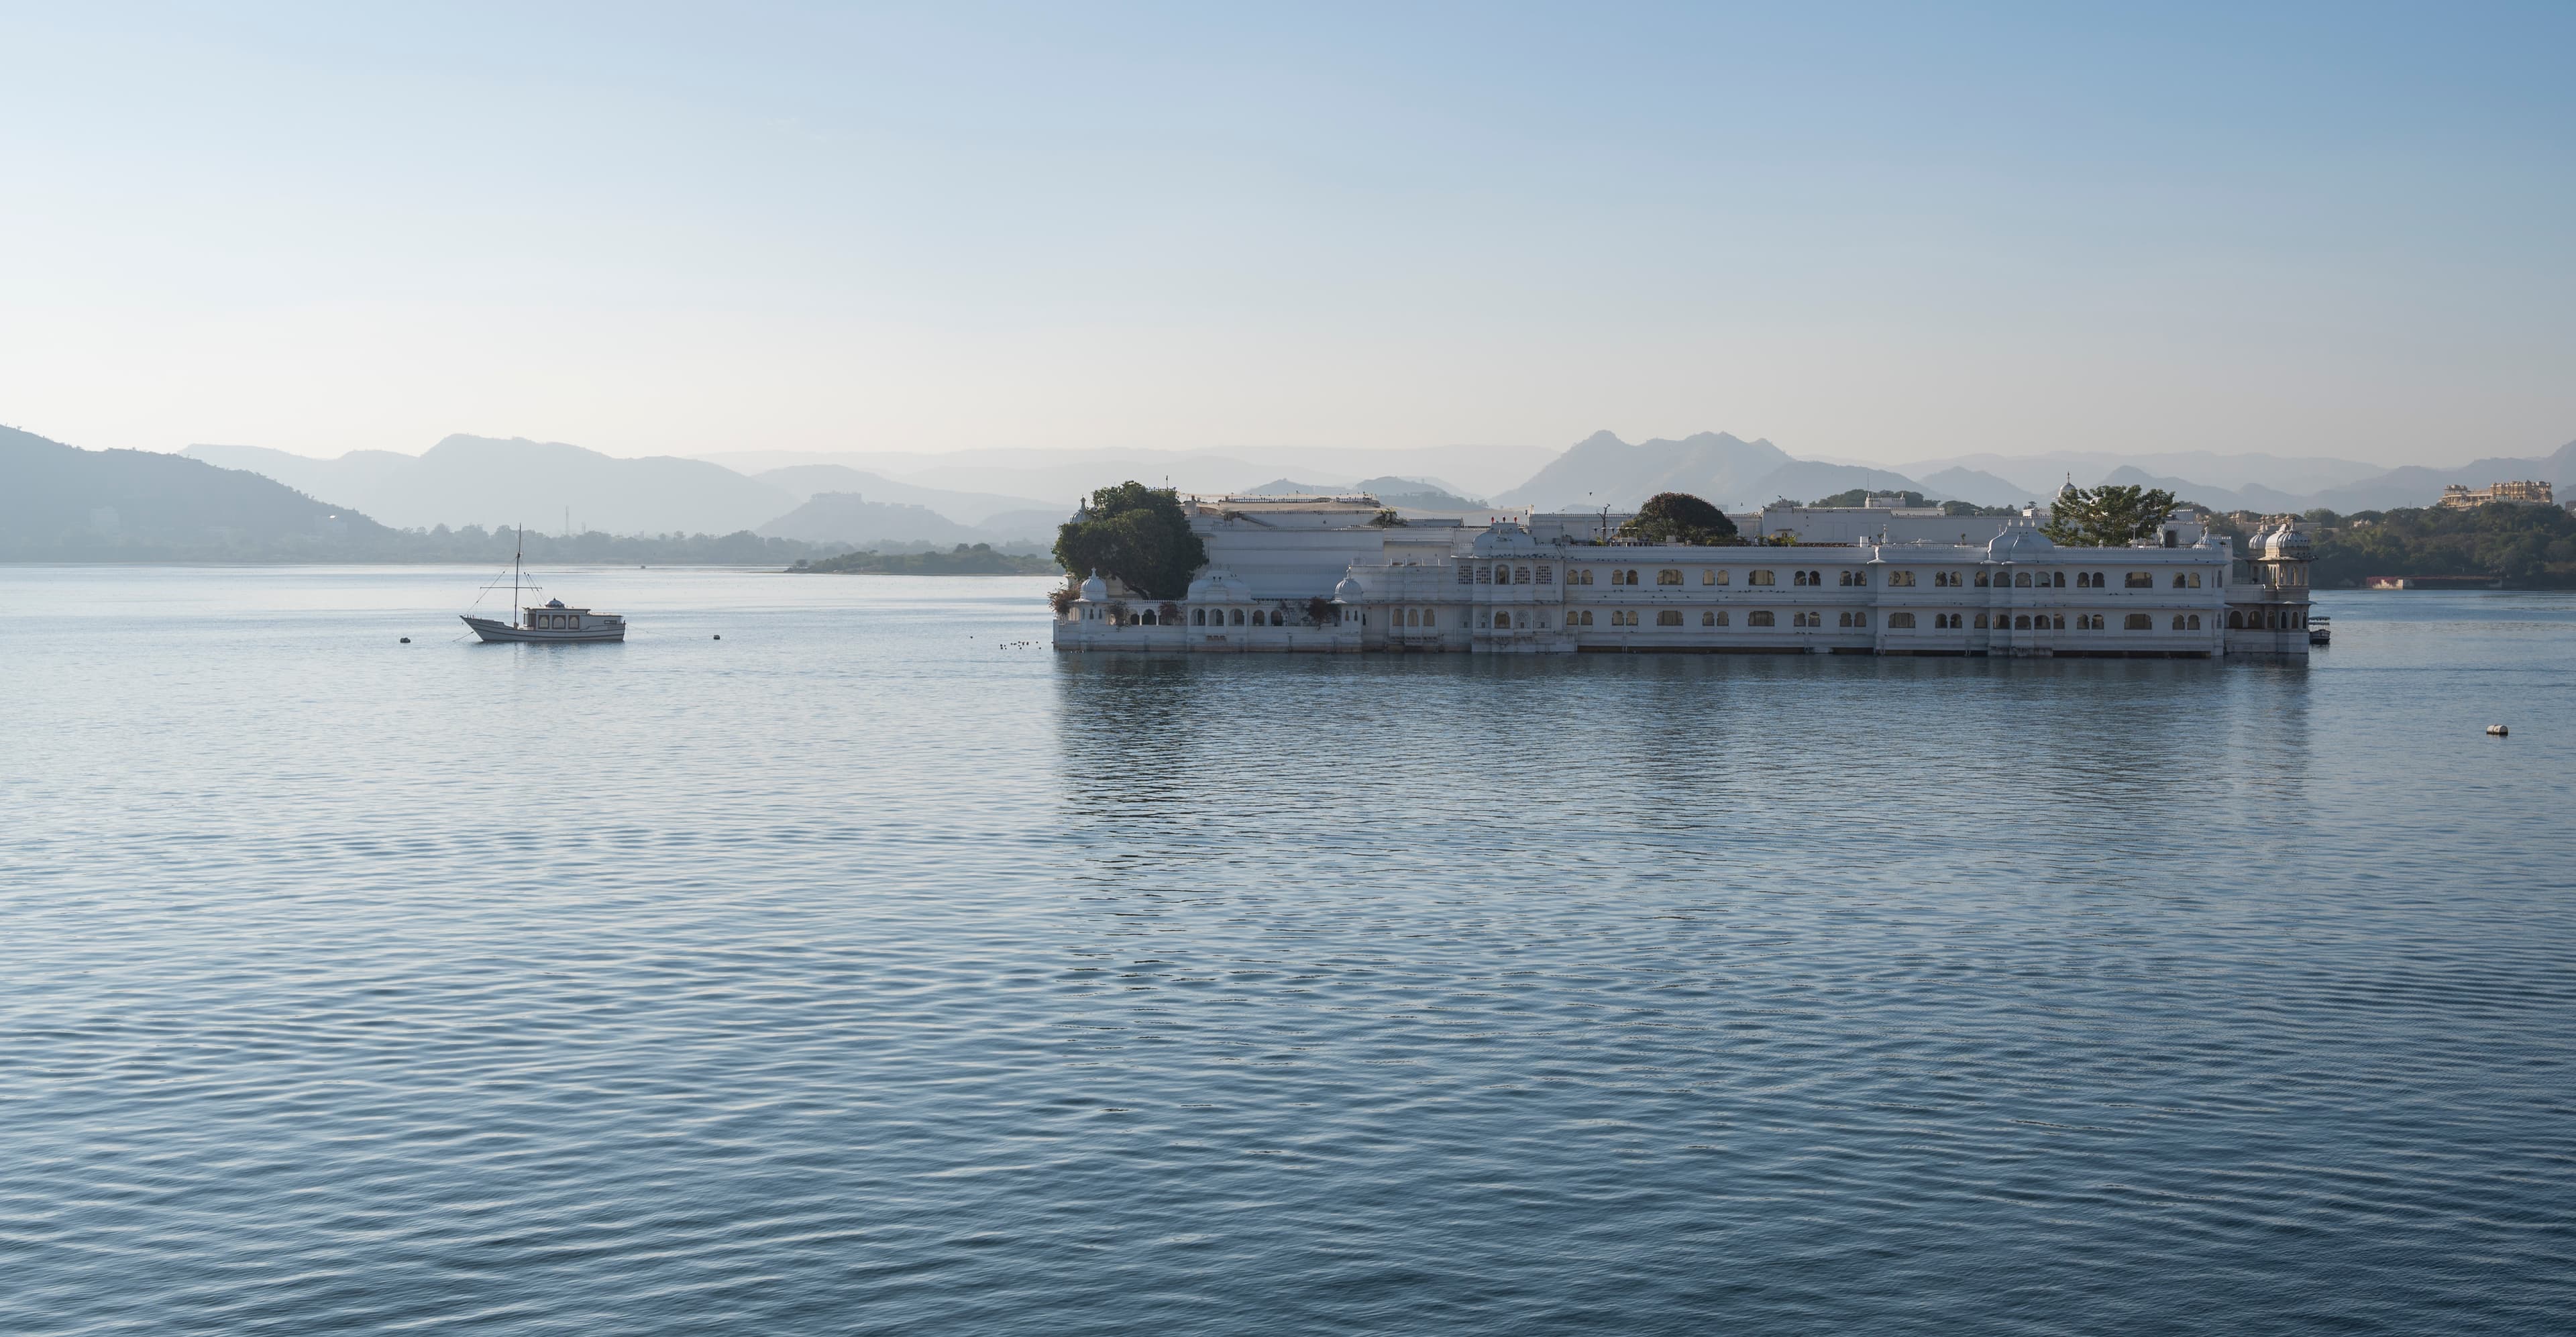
2497	729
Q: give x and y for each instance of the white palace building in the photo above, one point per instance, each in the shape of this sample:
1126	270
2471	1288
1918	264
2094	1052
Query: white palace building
1327	574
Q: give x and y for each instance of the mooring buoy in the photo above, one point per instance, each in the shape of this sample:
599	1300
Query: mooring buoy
719	638
2498	730
406	640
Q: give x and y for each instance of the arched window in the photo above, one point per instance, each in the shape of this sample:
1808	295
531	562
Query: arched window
1797	577
2057	623
1670	617
1278	618
2177	622
2022	623
2057	581
1758	578
1761	619
1587	617
1668	576
2236	620
1983	580
1981	622
2021	580
2139	580
1708	619
2137	622
1815	577
1198	617
2177	580
1721	617
2195	623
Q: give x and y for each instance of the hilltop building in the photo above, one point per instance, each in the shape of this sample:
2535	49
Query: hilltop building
1330	575
2461	497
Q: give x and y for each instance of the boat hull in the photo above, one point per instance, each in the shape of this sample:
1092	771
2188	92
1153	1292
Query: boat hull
492	631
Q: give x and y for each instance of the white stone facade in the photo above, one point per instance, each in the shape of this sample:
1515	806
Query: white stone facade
1326	579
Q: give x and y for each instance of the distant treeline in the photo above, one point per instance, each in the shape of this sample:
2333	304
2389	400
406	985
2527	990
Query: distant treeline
979	560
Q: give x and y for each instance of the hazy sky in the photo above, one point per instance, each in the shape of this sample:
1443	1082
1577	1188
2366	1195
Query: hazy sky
1875	232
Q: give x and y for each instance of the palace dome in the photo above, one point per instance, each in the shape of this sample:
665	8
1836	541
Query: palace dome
2287	544
1095	590
2020	543
1503	538
1216	585
1349	591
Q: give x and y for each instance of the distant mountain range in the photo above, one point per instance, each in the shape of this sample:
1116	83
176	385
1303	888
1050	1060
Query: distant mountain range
216	499
555	488
1602	470
1404	494
60	503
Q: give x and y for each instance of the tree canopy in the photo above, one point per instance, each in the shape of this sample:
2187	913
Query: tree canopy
1679	517
1137	534
2107	516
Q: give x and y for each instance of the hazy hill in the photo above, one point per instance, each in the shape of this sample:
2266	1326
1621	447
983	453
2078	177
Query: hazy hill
1602	470
1978	486
62	503
848	517
805	481
1404	493
1060	477
2415	485
481	480
2040	476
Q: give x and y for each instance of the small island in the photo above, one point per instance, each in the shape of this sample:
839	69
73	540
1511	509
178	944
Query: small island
978	560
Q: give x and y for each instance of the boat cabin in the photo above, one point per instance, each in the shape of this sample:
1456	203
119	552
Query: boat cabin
555	617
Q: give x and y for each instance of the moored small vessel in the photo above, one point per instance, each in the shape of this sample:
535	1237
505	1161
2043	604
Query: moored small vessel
548	622
552	621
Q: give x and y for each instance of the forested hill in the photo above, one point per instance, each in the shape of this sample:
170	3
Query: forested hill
2529	547
59	503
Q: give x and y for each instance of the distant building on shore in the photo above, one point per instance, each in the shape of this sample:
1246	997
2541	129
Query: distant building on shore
1333	575
2461	497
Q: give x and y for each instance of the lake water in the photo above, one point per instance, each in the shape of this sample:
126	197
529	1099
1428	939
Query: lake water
874	969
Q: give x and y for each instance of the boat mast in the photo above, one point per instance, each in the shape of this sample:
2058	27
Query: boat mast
514	565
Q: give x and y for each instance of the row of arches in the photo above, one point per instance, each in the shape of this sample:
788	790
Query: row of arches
1233	617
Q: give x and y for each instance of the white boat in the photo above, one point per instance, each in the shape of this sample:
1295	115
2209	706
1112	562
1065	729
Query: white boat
547	622
551	621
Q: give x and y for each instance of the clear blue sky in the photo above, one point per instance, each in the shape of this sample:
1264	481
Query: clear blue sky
1874	232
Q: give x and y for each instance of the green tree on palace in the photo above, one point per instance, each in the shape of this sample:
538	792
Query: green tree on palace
1136	534
2107	516
1679	517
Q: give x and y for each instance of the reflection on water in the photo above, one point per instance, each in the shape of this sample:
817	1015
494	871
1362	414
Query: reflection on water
860	971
